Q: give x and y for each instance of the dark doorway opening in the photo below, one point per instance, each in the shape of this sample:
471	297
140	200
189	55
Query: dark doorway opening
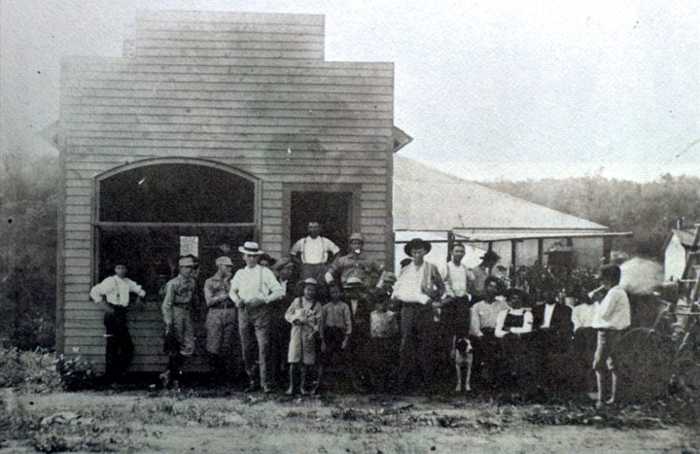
333	210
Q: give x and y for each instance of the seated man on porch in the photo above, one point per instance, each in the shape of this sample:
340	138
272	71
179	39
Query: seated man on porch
314	251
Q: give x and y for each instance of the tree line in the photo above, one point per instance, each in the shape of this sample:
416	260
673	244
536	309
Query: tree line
649	210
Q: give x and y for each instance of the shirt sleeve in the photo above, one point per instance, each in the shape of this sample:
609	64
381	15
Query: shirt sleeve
500	321
101	289
612	305
527	324
475	323
331	247
291	314
235	287
275	290
136	288
348	320
296	248
449	291
167	306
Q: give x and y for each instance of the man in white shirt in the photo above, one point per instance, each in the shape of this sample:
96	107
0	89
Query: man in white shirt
611	318
418	288
314	251
253	288
112	294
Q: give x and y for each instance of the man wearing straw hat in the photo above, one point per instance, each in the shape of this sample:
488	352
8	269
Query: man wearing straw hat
253	288
177	315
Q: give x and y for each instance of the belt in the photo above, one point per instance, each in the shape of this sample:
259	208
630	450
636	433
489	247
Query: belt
117	307
417	305
228	304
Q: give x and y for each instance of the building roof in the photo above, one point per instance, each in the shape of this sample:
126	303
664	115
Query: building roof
428	199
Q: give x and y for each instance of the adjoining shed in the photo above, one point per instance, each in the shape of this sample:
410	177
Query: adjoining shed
213	128
679	245
441	207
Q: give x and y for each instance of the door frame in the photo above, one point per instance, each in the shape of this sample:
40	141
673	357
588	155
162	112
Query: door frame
287	189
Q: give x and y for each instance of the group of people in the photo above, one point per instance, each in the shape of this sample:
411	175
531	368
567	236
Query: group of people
322	312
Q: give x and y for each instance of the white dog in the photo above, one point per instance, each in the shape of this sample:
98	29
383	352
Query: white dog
463	356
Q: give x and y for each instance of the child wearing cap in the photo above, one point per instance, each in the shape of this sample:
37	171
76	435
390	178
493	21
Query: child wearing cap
336	328
305	316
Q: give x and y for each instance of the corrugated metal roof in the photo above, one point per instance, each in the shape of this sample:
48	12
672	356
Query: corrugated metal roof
428	199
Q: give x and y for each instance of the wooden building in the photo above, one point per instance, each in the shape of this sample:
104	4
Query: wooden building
212	129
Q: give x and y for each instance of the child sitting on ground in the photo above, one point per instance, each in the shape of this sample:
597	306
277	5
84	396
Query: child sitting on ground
305	315
336	327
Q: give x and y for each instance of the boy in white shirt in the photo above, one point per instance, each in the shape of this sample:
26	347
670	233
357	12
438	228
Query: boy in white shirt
611	317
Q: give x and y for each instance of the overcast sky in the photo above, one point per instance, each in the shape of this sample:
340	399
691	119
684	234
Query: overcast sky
488	89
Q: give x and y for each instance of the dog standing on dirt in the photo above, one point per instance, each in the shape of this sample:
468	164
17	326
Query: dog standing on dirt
463	356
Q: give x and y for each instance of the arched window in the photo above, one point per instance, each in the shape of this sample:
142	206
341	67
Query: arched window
176	193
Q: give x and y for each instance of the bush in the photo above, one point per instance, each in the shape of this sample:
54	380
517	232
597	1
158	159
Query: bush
76	373
33	370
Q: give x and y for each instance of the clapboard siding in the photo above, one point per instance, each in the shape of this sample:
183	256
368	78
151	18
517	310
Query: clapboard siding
247	90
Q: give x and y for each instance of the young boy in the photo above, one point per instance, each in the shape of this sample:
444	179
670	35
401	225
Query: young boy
611	317
305	316
384	330
336	328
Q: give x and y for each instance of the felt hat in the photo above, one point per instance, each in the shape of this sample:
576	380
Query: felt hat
490	256
250	248
356	236
417	243
223	261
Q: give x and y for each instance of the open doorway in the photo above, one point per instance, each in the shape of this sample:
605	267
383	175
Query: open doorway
333	210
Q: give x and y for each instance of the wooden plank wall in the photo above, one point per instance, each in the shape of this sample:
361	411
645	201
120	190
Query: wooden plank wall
248	90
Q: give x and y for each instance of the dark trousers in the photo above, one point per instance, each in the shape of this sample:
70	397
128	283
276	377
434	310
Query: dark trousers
417	339
487	356
119	349
254	325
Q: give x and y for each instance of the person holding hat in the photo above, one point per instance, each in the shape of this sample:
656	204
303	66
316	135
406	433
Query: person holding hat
253	289
514	328
112	294
222	317
305	316
484	270
177	307
418	290
353	264
314	251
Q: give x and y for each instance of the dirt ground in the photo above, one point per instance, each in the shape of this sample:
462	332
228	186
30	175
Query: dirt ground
222	422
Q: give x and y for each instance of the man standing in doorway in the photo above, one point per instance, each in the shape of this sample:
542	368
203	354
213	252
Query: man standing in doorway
112	294
314	251
222	318
418	289
253	288
177	307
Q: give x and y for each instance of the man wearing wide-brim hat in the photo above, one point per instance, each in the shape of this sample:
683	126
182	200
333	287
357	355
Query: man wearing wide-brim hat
484	270
222	317
253	288
354	264
418	290
178	303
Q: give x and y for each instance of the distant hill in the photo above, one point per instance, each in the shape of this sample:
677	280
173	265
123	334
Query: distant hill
647	209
